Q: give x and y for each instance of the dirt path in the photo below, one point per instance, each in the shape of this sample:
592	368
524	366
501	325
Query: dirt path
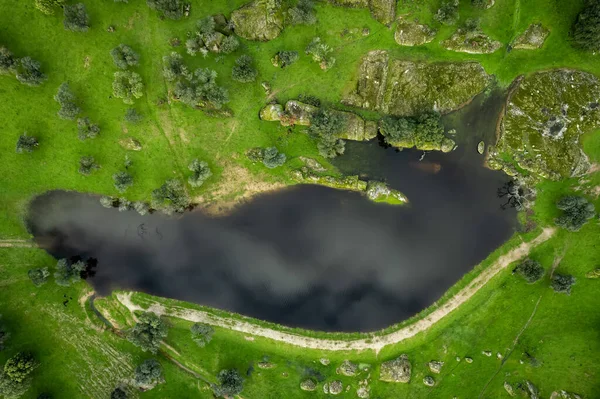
374	343
17	244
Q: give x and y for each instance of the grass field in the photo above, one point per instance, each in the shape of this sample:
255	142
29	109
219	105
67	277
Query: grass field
78	358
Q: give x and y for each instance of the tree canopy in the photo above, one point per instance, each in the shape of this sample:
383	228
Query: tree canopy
29	72
202	333
303	13
68	272
530	270
39	276
86	129
272	158
320	53
585	32
128	86
123	56
26	143
576	212
200	172
18	367
123	181
87	164
326	124
66	99
447	14
172	9
76	18
8	63
562	283
244	70
148	332
118	393
148	373
230	383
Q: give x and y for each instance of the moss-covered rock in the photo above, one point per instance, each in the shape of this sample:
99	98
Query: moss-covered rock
546	114
259	20
354	128
472	41
448	145
481	147
297	113
533	38
412	33
347	368
308	385
131	144
404	88
397	370
271	112
380	192
383	11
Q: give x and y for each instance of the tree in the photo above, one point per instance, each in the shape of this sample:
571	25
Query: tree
206	27
87	164
170	197
585	32
429	131
133	116
202	333
12	389
200	88
148	332
118	393
325	122
39	276
8	63
148	373
47	6
68	273
86	129
330	146
201	172
562	283
530	270
320	53
123	181
230	383
173	67
243	70
76	18
398	130
285	58
194	45
480	3
272	158
125	205
576	212
107	202
124	56
18	367
229	44
26	143
303	13
29	72
66	99
141	207
172	9
128	86
447	14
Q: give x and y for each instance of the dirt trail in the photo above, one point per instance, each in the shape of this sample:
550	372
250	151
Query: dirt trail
17	244
374	343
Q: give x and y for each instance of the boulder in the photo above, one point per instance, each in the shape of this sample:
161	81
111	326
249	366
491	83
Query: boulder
308	385
130	144
299	113
397	370
472	42
487	353
383	11
259	20
594	273
509	389
347	368
564	395
271	112
533	38
411	33
448	145
371	86
429	381
324	361
468	360
222	25
314	165
265	365
435	366
214	42
363	392
532	390
336	387
354	128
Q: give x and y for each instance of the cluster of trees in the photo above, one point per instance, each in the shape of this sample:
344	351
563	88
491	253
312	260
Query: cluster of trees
202	334
148	332
171	197
26	143
172	9
585	32
197	89
68	272
231	383
39	276
86	129
325	124
124	57
209	38
128	85
200	172
285	58
15	377
424	131
76	18
530	270
244	70
320	53
27	70
576	211
67	101
447	14
303	13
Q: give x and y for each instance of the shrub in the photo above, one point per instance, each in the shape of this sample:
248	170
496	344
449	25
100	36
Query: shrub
107	202
576	212
128	86
86	129
320	53
562	283
118	393
330	146
194	45
396	130
173	67
141	207
285	58
29	72
12	389
172	9
123	181
133	116
447	13
202	333
206	27
8	63
530	270
38	277
244	70
66	99
124	205
170	197
124	56
26	143
585	32
303	13
272	158
201	87
148	373
148	332
76	18
47	6
231	383
68	273
18	367
325	122
311	100
200	171
229	45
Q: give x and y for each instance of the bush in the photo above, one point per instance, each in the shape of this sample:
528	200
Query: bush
201	88
76	18
39	277
18	367
330	146
244	70
303	13
320	53
530	270
231	383
173	67
202	334
29	72
229	45
141	207
47	6
66	99
206	27
201	172
128	86
447	13
170	197
429	130
123	181
87	164
148	332
107	202
172	9
576	212
124	56
68	273
308	99
148	373
585	32
118	393
132	116
124	205
26	143
272	158
396	130
194	45
8	63
86	129
285	58
562	283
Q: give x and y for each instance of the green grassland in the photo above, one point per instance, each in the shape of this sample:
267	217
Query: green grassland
79	357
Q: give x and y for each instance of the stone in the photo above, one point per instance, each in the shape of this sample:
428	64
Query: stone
397	370
354	128
499	355
472	41
532	390
486	353
347	368
411	33
266	87
260	20
509	389
214	42
533	38
265	365
326	388
314	165
594	273
564	395
468	360
448	145
407	88
429	381
308	385
380	192
324	361
363	392
458	358
299	113
336	387
481	147
130	144
271	112
435	366
383	11
222	25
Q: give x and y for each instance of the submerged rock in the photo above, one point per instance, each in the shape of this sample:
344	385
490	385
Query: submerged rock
259	20
347	368
411	33
397	370
481	147
308	385
472	41
533	38
429	381
435	366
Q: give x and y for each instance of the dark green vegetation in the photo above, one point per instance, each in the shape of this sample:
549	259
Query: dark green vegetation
181	119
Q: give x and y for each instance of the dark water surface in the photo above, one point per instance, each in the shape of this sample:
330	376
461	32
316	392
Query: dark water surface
307	256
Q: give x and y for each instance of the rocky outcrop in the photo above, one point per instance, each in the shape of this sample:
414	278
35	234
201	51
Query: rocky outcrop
509	389
297	113
533	38
435	366
271	112
333	388
412	33
348	368
406	88
383	11
380	192
429	381
472	41
308	385
397	370
546	114
564	395
315	166
259	20
593	274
